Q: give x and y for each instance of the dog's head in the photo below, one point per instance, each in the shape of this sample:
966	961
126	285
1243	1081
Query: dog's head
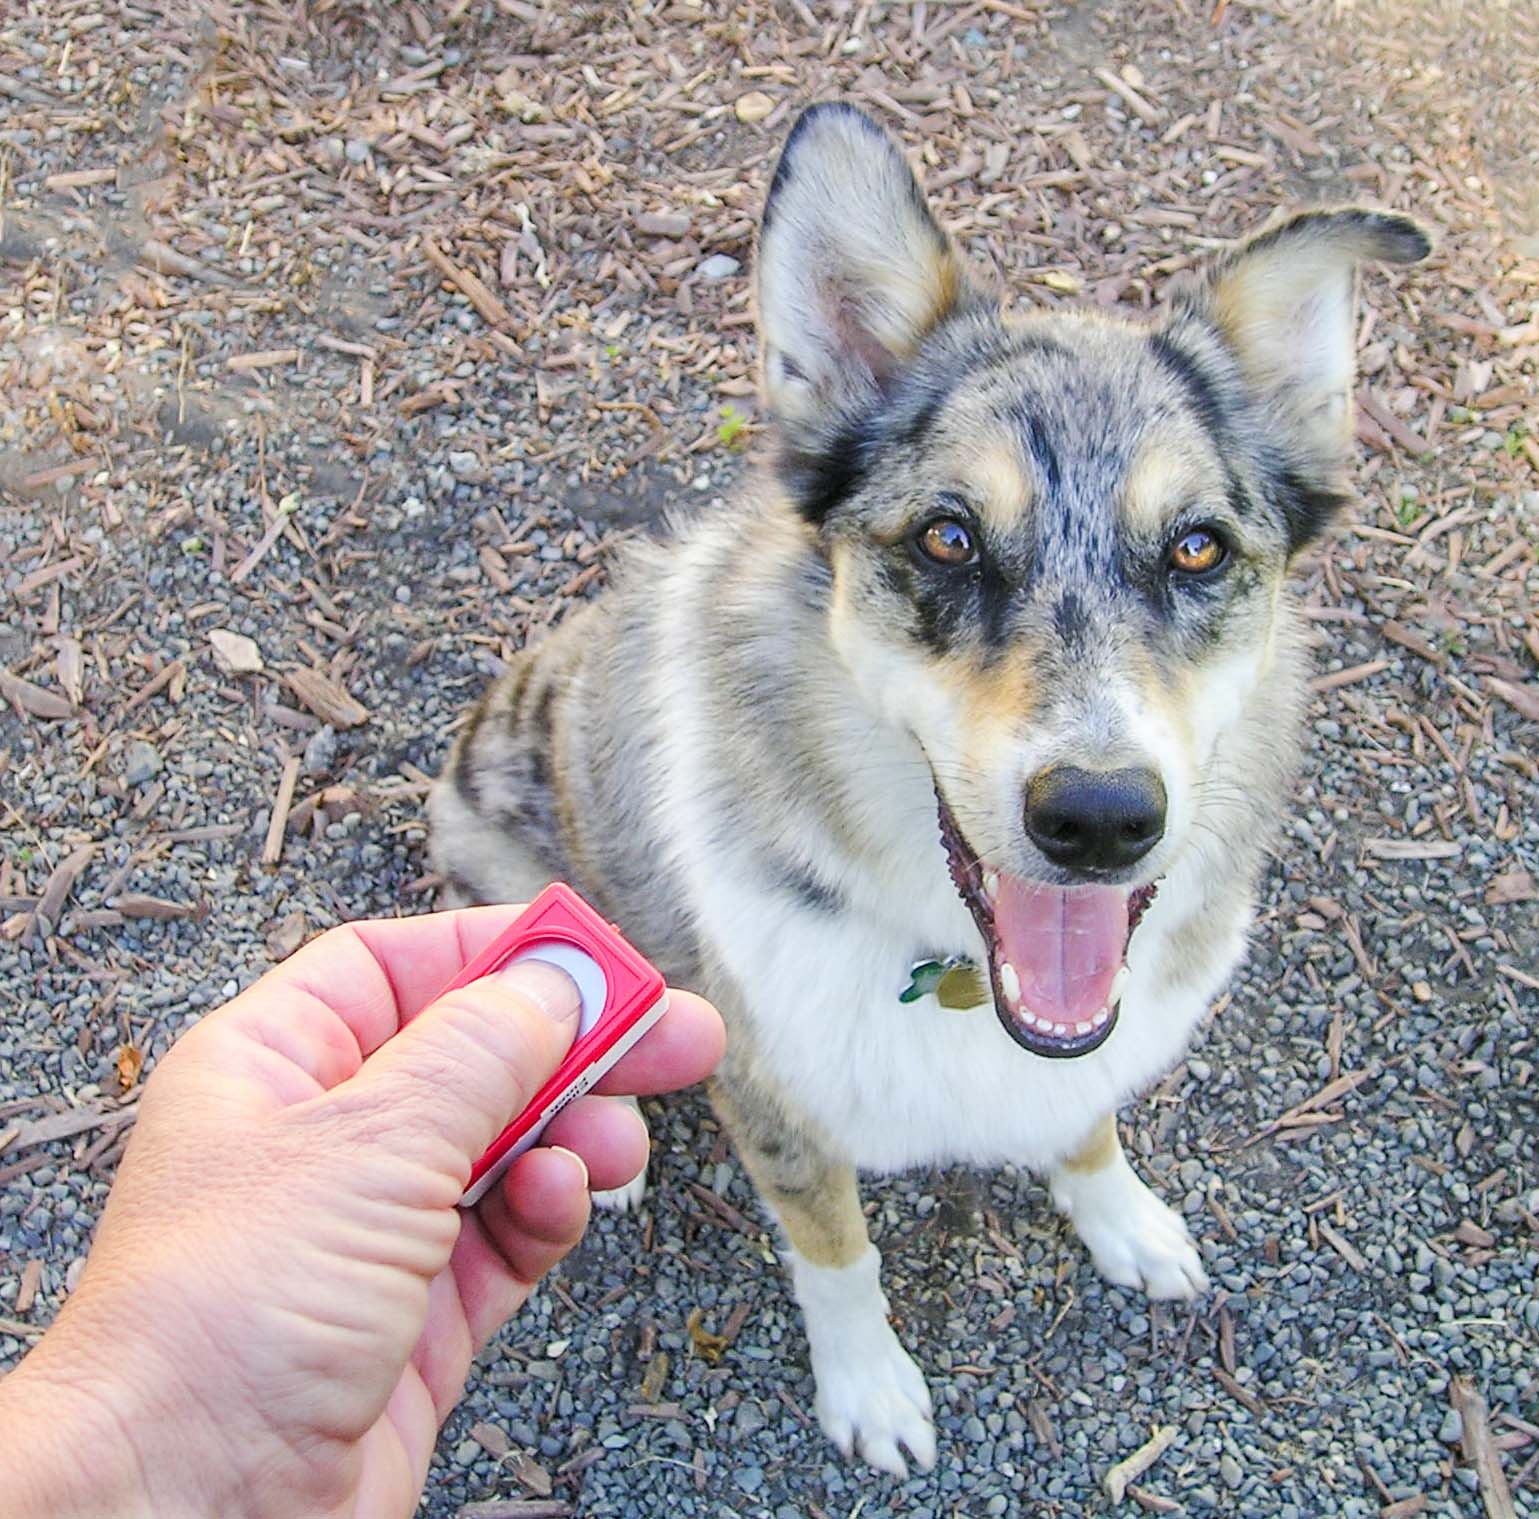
1057	543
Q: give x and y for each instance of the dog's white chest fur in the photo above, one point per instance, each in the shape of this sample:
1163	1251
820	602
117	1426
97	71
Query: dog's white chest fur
897	1085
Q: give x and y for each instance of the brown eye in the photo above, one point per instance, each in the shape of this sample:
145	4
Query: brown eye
1198	552
946	541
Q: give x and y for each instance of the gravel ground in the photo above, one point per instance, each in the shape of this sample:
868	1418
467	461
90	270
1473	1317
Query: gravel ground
363	333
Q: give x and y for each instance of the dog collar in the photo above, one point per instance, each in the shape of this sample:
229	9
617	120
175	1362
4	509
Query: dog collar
955	982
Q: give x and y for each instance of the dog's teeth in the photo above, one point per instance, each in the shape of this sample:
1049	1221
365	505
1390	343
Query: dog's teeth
1118	986
1083	1028
1010	983
991	884
1100	1017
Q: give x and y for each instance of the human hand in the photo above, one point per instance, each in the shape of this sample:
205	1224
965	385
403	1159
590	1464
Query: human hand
283	1299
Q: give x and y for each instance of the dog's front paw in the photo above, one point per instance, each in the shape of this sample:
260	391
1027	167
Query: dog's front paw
872	1399
626	1199
1134	1239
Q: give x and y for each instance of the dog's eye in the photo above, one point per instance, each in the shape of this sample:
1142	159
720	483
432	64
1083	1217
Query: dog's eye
946	541
1198	552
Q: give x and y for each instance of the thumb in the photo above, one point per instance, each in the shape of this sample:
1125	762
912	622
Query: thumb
469	1063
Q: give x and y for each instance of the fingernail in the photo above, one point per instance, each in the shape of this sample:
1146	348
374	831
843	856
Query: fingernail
575	1158
545	987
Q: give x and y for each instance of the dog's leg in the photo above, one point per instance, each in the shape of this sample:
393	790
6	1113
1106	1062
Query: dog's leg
1134	1239
871	1397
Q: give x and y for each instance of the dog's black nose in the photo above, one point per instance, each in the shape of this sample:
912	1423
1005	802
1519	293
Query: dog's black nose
1097	820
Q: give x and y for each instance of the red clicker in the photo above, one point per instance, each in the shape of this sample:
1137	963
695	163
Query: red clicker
622	997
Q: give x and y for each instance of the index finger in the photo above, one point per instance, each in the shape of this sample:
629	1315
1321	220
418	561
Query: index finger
356	986
684	1046
376	975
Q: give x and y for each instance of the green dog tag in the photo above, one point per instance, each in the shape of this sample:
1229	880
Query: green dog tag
955	983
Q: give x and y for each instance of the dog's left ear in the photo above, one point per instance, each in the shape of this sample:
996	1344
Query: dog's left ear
853	272
1284	302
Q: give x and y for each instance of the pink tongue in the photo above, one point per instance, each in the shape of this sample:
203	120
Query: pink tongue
1066	945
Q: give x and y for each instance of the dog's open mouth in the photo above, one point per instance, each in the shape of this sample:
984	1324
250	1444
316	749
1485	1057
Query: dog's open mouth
1057	954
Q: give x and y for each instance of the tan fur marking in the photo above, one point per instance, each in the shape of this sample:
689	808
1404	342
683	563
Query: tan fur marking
820	1211
1003	487
945	280
1099	1150
1004	695
1165	473
828	1228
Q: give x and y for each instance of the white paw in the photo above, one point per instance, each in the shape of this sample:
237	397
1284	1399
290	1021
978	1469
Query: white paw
626	1199
1133	1238
878	1407
871	1397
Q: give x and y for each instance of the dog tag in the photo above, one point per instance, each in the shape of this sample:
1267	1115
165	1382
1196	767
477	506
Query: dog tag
955	983
961	986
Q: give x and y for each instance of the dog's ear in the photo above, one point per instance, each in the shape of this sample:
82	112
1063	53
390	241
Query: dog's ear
853	271
1284	303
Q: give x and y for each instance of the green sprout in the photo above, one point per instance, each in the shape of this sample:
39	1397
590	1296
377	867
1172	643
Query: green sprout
730	429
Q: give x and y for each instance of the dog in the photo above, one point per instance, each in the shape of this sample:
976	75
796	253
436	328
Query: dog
945	758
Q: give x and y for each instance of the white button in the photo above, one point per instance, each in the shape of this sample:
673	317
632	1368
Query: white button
582	968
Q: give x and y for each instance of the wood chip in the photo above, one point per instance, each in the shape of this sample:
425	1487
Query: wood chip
1397	632
69	666
1522	977
1134	1466
56	1126
287	936
61	881
1349	677
671	224
268	358
491	1439
174	671
31	1280
1524	699
531	1474
326	699
1153	1503
272	847
164	259
1413	849
133	904
1511	886
475	291
1240	1394
34	700
1149	114
29	585
1479	1449
1343	1247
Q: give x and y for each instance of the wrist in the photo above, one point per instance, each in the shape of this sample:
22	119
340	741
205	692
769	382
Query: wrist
65	1442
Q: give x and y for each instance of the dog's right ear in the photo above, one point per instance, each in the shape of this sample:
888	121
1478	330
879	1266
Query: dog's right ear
853	271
